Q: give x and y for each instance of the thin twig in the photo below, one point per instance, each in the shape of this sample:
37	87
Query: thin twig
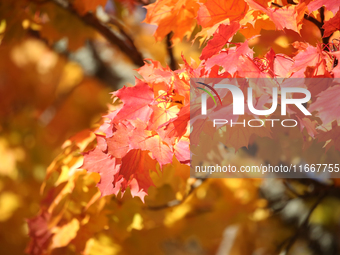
291	189
144	2
176	202
304	224
277	5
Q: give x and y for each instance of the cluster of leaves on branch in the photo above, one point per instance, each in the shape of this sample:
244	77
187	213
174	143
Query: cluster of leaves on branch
152	123
150	127
142	145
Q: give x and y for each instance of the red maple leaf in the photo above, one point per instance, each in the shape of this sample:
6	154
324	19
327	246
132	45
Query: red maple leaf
228	58
182	150
137	100
285	17
162	115
177	127
40	233
310	56
144	139
332	25
326	105
333	6
135	172
118	143
97	161
220	38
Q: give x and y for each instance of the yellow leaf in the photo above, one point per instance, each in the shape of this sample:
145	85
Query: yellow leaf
64	235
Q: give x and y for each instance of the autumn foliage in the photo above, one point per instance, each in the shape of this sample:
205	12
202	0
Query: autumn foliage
120	184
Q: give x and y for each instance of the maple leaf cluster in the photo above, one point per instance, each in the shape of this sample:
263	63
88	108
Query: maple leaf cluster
180	17
150	127
147	132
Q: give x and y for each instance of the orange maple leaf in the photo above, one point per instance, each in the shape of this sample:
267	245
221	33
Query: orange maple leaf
215	11
172	15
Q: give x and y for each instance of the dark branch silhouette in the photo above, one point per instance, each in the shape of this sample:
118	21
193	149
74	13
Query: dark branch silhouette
125	45
172	63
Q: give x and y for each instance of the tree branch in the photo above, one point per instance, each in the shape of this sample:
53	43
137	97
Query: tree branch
314	21
173	64
325	40
103	71
127	46
291	2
